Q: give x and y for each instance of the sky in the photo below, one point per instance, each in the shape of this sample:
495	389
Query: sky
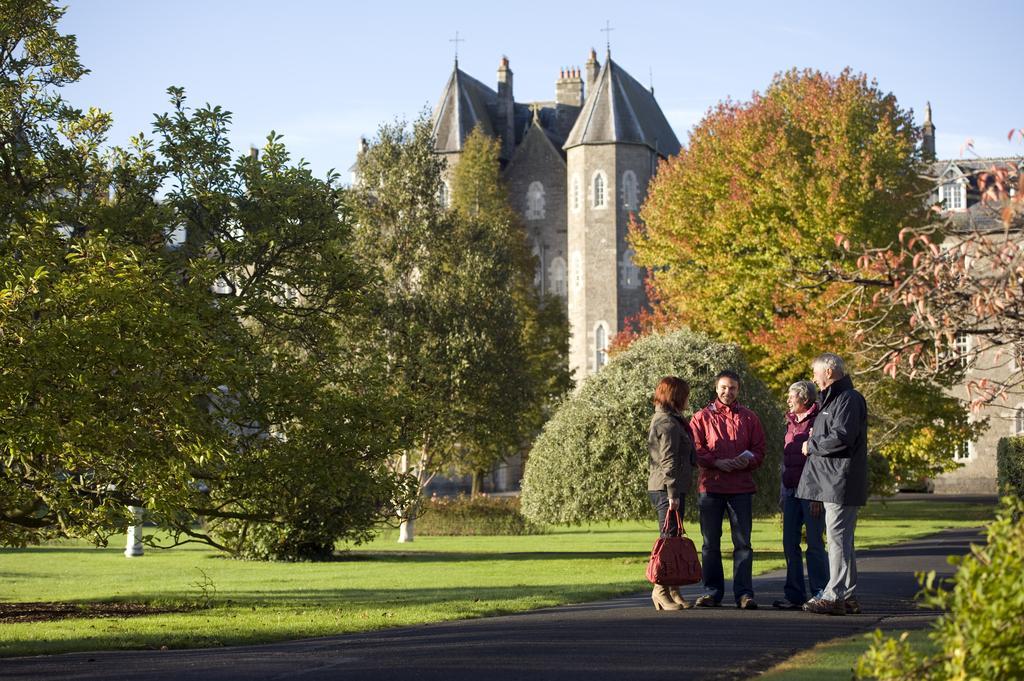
325	73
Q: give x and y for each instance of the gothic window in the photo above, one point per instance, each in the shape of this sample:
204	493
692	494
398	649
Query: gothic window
1018	420
576	193
599	190
443	195
556	275
535	201
600	346
538	275
630	195
629	274
951	195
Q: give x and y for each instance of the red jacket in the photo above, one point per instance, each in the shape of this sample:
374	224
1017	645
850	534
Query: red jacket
723	432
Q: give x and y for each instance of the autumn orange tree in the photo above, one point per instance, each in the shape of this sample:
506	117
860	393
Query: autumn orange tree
744	231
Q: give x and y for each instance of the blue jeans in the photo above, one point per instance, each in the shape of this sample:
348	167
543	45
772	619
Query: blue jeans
796	513
659	500
713	508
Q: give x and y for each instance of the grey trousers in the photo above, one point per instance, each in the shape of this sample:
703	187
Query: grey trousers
840	523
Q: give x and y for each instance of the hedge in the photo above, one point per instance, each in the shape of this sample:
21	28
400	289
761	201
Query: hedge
590	462
1010	465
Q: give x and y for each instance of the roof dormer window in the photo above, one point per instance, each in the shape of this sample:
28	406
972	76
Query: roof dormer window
951	194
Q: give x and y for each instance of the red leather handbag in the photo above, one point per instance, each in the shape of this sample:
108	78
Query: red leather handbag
674	560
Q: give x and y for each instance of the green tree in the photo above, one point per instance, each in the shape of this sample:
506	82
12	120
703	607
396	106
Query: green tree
590	462
518	339
470	350
743	230
123	379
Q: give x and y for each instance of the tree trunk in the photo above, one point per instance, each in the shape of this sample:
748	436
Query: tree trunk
407	528
478	484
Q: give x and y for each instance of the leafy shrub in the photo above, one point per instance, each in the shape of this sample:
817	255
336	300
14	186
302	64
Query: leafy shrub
590	461
478	515
1010	465
981	634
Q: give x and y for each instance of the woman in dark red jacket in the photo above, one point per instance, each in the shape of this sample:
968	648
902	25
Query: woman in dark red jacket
798	513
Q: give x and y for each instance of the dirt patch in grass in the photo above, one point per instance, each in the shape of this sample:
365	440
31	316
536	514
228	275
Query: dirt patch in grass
11	613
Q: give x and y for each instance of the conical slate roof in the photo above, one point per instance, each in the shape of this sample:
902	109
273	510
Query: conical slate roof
464	103
620	109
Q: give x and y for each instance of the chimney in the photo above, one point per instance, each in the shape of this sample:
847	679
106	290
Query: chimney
592	69
928	138
569	88
506	128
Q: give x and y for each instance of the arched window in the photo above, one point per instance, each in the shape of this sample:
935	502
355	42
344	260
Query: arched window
599	190
629	274
600	346
535	201
576	193
556	275
1018	421
442	195
538	275
630	195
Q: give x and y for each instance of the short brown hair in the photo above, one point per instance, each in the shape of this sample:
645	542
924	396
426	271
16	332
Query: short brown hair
672	392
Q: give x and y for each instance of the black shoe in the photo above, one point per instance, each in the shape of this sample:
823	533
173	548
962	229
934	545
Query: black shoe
819	606
786	604
706	601
851	606
747	602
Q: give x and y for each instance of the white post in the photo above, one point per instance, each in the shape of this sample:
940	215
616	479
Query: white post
133	546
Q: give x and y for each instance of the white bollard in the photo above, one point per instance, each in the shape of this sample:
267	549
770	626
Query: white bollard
133	547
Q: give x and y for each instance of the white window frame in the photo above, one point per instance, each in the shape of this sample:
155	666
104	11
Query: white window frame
600	346
535	201
599	199
962	348
1017	422
558	275
953	196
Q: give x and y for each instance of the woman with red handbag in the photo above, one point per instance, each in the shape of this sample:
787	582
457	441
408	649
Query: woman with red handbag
671	461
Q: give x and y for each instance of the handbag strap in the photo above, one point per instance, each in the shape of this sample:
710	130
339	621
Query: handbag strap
679	521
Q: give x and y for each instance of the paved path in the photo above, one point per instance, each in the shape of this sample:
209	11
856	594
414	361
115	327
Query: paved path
610	640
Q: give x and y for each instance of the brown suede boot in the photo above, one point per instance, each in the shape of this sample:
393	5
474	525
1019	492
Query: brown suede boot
673	592
662	599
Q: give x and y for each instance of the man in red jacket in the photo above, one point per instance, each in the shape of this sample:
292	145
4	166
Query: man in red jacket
730	445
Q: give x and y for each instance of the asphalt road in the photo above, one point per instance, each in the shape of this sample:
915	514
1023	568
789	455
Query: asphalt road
624	638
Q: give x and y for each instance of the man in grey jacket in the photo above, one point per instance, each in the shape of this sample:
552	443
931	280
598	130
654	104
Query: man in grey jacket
836	473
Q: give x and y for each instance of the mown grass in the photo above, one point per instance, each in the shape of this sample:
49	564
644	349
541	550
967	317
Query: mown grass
383	584
835	660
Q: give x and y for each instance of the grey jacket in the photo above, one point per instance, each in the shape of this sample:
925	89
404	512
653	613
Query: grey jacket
671	454
837	450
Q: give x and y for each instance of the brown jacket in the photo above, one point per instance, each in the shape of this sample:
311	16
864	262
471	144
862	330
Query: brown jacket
671	454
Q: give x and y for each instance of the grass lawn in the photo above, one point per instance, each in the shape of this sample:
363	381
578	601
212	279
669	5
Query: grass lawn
383	584
835	660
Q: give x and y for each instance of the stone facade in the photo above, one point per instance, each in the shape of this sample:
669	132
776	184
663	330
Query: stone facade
958	195
577	169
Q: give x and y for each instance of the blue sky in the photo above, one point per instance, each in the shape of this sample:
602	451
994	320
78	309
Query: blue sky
325	73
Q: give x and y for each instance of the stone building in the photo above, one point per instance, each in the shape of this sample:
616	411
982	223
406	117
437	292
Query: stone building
960	199
576	168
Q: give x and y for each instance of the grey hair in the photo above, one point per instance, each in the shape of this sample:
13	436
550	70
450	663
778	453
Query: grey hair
831	361
805	391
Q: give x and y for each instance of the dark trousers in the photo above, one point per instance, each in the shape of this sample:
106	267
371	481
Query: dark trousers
713	508
796	513
659	500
